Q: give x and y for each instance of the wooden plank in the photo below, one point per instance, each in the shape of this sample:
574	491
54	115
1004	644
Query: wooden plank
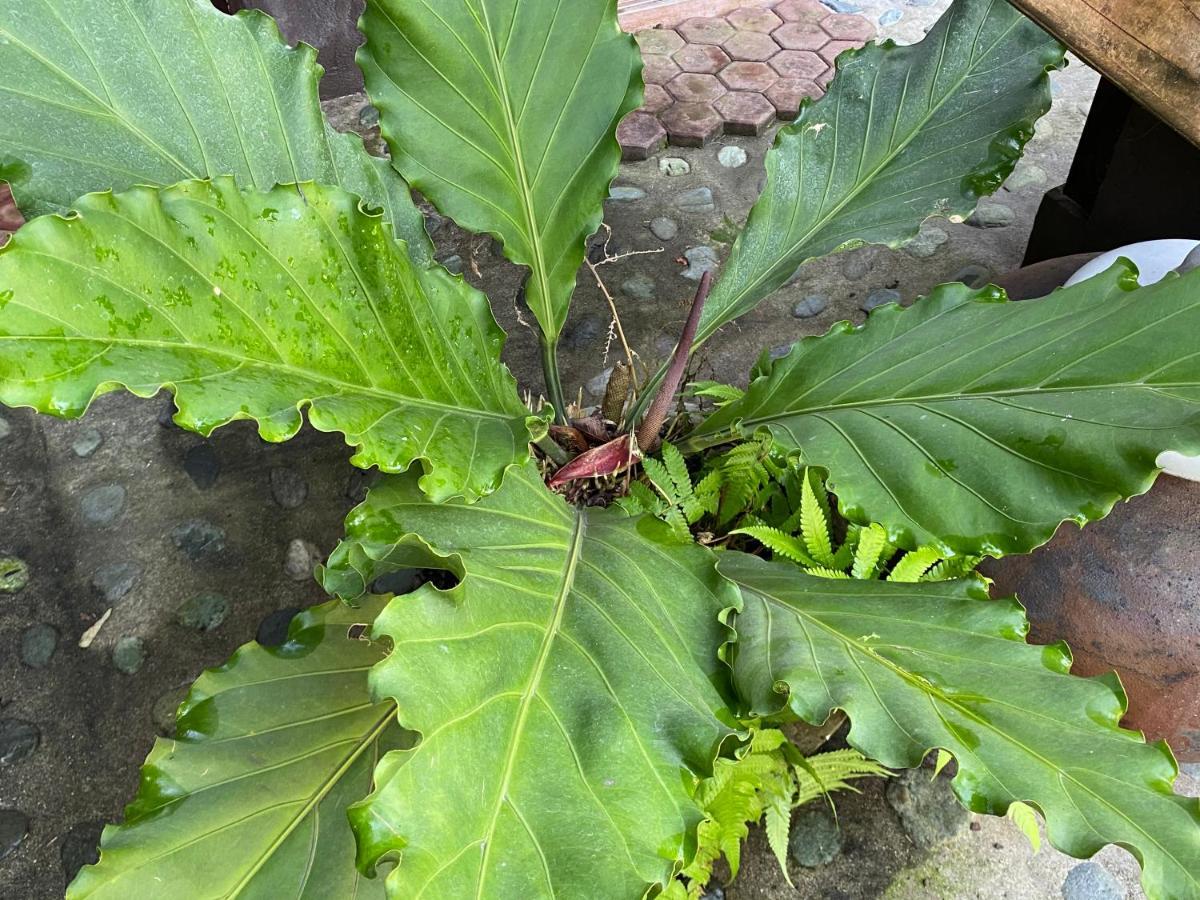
1150	48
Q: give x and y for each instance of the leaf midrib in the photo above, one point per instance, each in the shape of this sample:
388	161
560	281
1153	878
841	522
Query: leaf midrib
343	386
707	331
930	689
317	796
701	440
574	553
538	264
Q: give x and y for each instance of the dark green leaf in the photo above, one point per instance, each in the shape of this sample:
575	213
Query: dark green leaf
977	425
904	133
504	113
566	693
108	94
249	798
917	667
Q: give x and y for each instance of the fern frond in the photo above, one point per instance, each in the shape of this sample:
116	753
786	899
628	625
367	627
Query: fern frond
913	564
679	525
955	567
824	773
825	572
872	541
744	476
716	391
657	474
778	825
708	492
681	481
779	543
814	519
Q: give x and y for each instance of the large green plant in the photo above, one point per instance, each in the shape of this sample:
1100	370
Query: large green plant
568	718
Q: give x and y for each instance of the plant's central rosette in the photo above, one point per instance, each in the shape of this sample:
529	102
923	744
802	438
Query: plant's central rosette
565	692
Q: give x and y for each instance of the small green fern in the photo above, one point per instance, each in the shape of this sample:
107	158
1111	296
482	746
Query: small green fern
748	491
767	779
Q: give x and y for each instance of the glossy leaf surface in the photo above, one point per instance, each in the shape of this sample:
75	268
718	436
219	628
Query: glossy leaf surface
504	114
904	133
249	798
564	692
260	305
976	424
110	94
925	666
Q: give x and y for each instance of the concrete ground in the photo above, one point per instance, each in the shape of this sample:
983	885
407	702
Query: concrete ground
191	547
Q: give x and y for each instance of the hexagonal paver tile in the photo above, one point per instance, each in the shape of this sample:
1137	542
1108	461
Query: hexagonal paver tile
787	94
658	69
842	27
663	41
801	36
751	46
749	76
705	59
747	18
798	64
691	87
801	10
691	124
640	135
823	80
656	100
745	112
830	51
706	30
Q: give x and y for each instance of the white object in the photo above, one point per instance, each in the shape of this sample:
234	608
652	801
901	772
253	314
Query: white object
1154	259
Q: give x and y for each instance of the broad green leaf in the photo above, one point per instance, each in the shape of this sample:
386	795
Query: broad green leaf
504	114
921	666
259	305
904	133
249	798
977	425
567	692
108	94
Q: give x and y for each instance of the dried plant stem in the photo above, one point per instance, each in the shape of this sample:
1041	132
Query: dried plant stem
612	305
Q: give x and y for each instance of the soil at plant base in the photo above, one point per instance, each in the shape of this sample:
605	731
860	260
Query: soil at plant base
180	549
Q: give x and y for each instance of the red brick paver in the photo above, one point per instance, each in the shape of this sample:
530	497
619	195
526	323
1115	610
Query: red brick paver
736	73
706	59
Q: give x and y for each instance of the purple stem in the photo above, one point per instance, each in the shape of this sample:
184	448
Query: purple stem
656	415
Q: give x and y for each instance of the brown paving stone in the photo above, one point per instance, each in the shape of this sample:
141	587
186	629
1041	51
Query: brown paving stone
748	18
706	30
745	112
691	124
640	135
657	99
801	36
798	64
705	59
787	94
749	76
842	27
801	10
751	46
691	87
830	51
824	79
663	41
658	69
